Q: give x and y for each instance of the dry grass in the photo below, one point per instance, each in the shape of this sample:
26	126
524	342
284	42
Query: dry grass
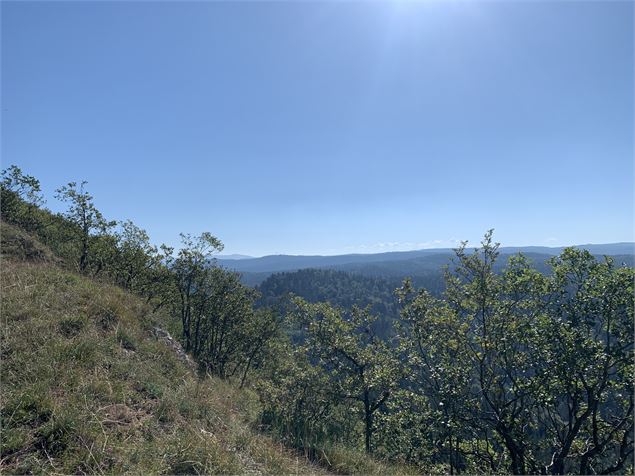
87	389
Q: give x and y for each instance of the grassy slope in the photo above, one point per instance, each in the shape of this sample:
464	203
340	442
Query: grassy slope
86	388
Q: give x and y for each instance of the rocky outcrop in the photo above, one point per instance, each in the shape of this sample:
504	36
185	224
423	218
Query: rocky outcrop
175	346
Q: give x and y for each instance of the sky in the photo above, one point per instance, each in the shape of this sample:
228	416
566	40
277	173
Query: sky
330	127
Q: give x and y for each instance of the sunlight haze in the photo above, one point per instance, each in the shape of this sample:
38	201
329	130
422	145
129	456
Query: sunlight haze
330	127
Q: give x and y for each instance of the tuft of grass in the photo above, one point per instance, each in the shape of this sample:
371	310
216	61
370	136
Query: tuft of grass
343	460
72	326
13	441
32	408
189	452
126	339
167	410
55	435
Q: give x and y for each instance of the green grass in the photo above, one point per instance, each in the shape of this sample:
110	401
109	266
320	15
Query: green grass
17	244
86	388
343	460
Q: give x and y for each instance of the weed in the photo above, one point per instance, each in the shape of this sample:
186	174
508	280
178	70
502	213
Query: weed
125	338
54	437
72	326
32	407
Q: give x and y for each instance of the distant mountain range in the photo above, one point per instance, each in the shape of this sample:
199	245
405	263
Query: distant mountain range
398	264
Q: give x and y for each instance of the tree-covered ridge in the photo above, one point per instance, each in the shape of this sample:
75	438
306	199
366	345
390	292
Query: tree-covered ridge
338	288
506	370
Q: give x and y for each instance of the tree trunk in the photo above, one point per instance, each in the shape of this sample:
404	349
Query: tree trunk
368	421
516	451
83	259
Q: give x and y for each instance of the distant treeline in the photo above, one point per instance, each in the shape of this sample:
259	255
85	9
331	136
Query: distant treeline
424	268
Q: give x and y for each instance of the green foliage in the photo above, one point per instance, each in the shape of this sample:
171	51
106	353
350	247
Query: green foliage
591	365
90	226
191	275
519	371
219	324
299	406
361	367
135	258
20	196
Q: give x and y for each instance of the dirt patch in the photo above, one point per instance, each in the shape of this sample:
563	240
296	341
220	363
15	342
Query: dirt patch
117	414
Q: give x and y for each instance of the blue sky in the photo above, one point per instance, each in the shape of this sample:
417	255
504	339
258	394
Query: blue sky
330	127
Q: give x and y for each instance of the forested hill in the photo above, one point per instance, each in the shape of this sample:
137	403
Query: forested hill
336	287
373	284
423	265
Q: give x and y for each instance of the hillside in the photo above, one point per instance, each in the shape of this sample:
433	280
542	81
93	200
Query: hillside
88	387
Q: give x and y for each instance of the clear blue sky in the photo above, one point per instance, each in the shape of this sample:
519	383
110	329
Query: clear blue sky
330	127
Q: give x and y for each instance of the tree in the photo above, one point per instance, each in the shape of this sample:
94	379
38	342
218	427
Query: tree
261	332
136	258
20	197
87	220
361	366
542	365
190	270
221	322
434	344
501	313
589	347
297	402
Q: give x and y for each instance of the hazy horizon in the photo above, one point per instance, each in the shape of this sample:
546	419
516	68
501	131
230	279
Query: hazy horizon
470	245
